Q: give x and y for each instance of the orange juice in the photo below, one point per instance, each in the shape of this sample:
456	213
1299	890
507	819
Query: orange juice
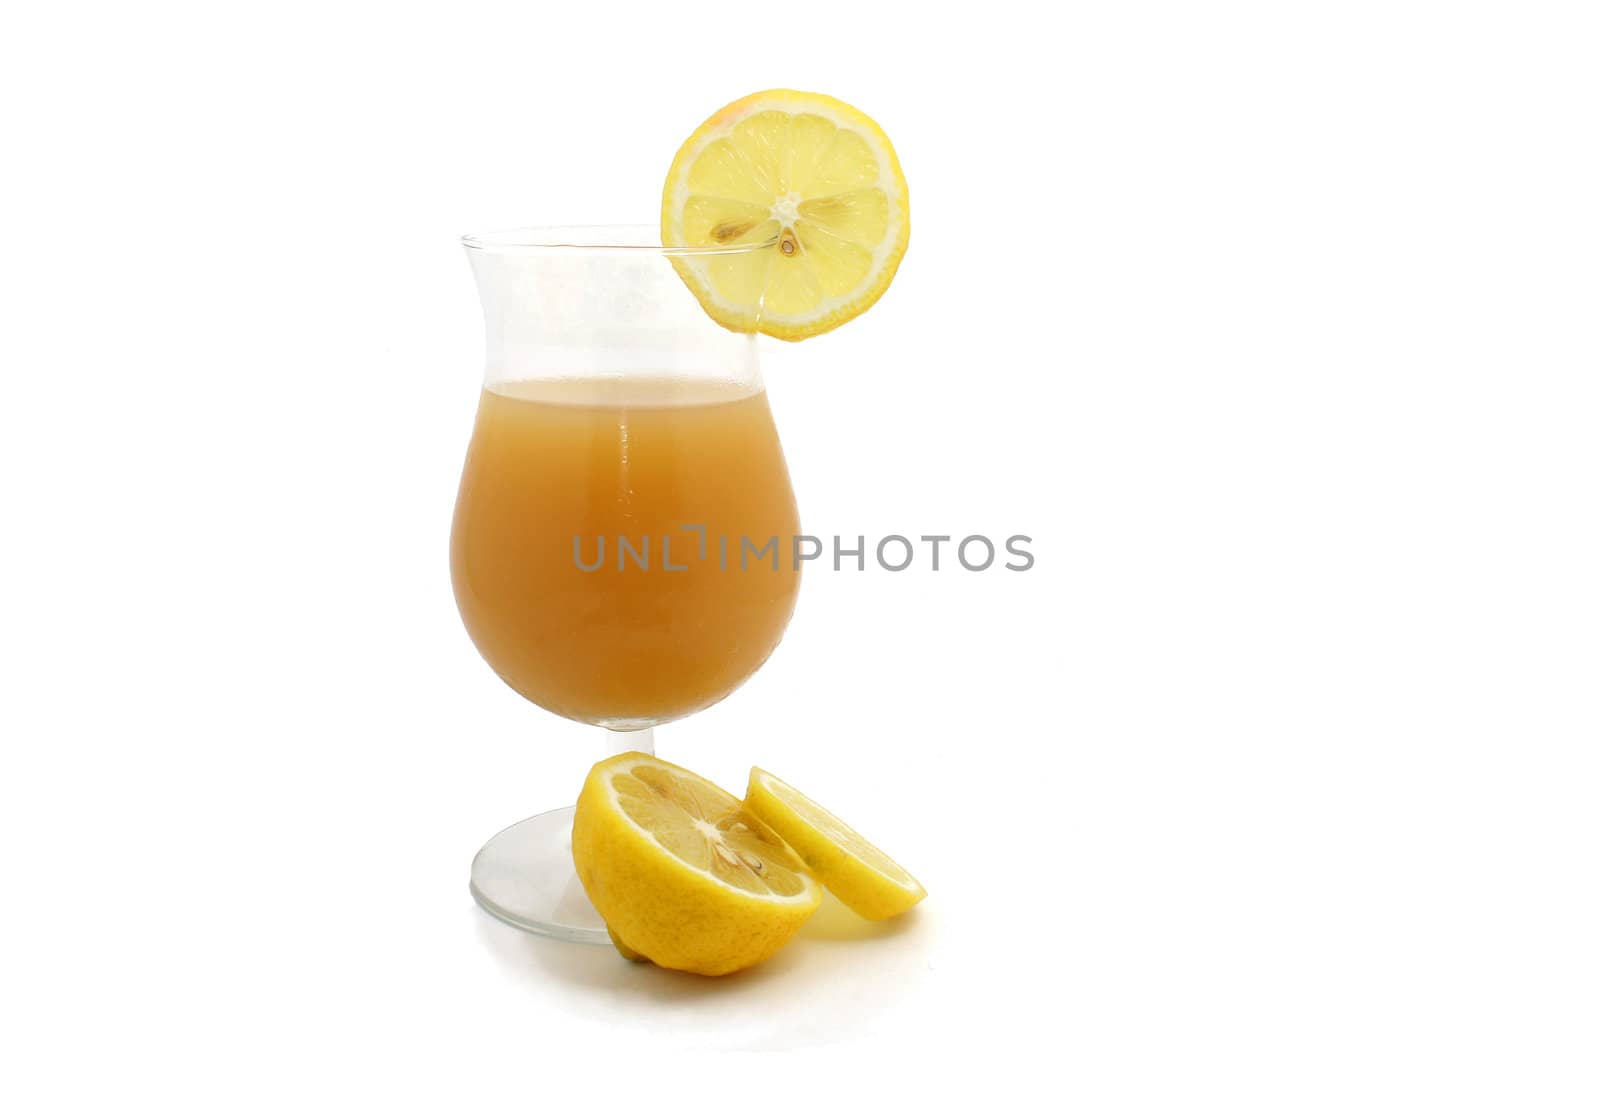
661	627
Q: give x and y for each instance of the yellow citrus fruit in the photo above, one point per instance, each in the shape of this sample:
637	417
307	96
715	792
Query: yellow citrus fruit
681	873
807	171
858	872
624	951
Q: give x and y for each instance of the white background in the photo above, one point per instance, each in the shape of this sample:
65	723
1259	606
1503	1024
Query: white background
1274	325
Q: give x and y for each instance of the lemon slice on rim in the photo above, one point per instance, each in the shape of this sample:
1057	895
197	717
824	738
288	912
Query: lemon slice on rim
814	174
858	872
680	872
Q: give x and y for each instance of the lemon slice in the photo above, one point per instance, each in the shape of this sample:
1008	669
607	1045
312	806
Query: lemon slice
680	872
808	171
858	872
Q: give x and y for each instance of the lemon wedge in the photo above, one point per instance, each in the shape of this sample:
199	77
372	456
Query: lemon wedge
855	870
808	171
681	873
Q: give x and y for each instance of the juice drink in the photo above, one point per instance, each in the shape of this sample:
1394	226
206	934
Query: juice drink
634	640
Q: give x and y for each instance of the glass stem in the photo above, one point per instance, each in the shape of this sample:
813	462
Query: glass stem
620	742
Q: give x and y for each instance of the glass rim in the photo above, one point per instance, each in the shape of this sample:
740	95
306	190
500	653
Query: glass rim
599	239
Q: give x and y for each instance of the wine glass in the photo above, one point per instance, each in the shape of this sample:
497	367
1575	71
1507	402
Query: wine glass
624	545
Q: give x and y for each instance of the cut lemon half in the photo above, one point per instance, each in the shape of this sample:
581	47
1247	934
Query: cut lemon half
681	873
807	171
855	870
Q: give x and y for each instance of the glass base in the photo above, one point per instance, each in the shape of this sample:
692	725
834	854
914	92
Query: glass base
524	877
